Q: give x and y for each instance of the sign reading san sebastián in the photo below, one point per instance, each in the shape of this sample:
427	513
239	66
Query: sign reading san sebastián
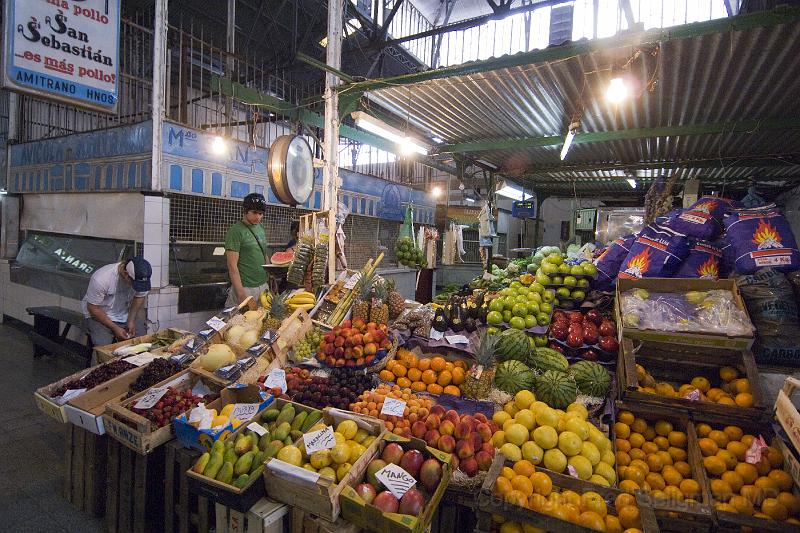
63	49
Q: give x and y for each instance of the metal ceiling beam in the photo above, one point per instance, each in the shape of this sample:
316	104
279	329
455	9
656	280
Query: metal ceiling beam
779	15
743	126
308	60
625	6
388	20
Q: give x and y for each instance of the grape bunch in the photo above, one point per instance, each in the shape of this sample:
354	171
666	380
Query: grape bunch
308	346
99	375
156	371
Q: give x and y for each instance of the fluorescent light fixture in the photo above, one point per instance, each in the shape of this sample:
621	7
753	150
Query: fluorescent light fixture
573	130
470	199
511	191
219	146
436	192
484	162
617	90
407	144
631	182
437	139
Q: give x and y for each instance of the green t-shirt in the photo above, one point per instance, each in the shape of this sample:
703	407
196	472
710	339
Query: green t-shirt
251	252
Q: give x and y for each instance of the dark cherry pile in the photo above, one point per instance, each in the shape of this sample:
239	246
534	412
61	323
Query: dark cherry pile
157	371
99	375
340	389
174	402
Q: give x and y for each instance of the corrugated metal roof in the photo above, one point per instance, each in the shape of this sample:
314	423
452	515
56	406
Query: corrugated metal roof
708	79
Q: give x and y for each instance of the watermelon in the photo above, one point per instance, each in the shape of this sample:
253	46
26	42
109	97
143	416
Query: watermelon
556	389
592	379
548	359
513	376
513	344
281	258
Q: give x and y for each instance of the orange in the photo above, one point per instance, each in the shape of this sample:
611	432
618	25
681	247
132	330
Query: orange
790	501
673	493
719	437
721	490
570	512
502	486
707	446
460	363
636	440
414	374
458	376
733	432
592	520
639	425
754	495
593	502
661	442
650	447
703	430
762	466
571	497
654	463
666	458
428	377
748	473
715	394
734	480
728	458
744	399
714	465
677	454
671	476
635	474
737	449
626	417
399	370
523	467
537	502
522	484
449	366
690	488
728	373
424	364
683	468
741	504
419	386
516	497
637	453
542	484
726	400
613	525
775	457
438	364
649	433
629	517
655	481
622	445
741	385
701	383
769	486
435	388
452	389
404	382
677	439
628	486
622	431
508	473
782	479
641	465
774	509
445	378
623	500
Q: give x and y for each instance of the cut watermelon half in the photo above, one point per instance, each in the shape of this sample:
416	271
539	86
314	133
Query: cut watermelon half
282	258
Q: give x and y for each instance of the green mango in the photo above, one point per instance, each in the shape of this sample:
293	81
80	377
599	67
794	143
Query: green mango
294	435
282	431
258	460
287	414
288	441
272	450
243	445
225	474
219	446
244	464
297	423
241	481
214	465
311	419
270	415
201	463
263	441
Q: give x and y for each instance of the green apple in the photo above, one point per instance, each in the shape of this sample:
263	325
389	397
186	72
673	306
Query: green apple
519	310
506	292
540	340
548	295
555	258
549	268
562	292
543	279
492	330
521	299
570	281
558	280
517	322
546	308
564	268
543	319
496	305
535	297
578	295
589	269
533	308
494	317
507	315
537	287
515	285
582	283
530	321
577	270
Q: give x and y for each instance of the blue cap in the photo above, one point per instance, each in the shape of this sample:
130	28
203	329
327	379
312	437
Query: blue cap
139	270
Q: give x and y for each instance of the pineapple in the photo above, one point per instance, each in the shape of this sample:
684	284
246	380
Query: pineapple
277	311
395	300
361	296
379	311
478	381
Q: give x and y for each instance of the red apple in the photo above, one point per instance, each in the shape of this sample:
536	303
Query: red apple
608	344
590	355
480	417
452	416
339	342
386	502
346	323
594	316
484	431
559	331
488	447
607	328
370	349
463	430
575	316
555	346
575	340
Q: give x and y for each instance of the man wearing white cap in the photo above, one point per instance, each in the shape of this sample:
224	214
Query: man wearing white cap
115	295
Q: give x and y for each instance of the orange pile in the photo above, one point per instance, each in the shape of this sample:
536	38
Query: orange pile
762	489
371	402
732	390
522	485
653	458
432	374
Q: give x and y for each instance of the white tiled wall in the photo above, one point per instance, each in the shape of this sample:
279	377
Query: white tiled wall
156	238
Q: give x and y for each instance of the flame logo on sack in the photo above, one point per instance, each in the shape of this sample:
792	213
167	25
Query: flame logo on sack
639	264
766	236
705	207
709	269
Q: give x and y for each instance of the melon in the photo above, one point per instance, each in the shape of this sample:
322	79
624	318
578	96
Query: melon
513	344
543	359
592	379
281	258
556	389
513	376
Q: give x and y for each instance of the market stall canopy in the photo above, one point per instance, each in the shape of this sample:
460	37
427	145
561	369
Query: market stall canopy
718	101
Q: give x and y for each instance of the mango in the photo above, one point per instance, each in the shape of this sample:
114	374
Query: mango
311	419
287	414
263	441
201	463
225	474
295	434
218	446
230	456
272	450
243	445
214	465
258	460
241	481
297	423
282	431
244	464
270	415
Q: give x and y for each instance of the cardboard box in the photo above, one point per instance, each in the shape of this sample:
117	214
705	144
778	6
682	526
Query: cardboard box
101	354
203	439
265	516
355	510
669	285
786	413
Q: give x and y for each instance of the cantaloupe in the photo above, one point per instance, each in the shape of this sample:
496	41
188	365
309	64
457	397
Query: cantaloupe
217	356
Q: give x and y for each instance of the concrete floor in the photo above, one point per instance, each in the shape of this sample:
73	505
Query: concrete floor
32	444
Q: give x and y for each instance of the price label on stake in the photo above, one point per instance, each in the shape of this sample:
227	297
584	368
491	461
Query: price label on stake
352	281
397	480
244	411
276	378
319	440
151	398
140	359
256	428
436	335
393	407
457	339
216	323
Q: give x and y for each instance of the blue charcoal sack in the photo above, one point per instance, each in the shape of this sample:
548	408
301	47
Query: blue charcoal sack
761	238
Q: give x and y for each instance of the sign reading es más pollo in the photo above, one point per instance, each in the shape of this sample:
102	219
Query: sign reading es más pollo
63	49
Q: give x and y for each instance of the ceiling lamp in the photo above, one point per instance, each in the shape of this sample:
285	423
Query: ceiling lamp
510	190
436	192
408	145
218	145
617	90
573	131
631	182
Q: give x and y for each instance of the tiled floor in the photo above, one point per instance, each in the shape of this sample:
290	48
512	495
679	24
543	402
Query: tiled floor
32	445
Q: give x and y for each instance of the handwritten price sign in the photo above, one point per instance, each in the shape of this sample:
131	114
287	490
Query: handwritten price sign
276	378
397	480
216	323
244	411
393	407
70	394
258	429
319	440
151	398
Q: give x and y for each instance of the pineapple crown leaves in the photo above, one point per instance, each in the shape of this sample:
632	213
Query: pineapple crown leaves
487	348
277	307
380	291
391	285
364	285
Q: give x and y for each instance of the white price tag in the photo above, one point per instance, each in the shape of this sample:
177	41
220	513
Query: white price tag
68	395
216	323
244	411
201	389
393	407
319	440
436	335
276	378
140	359
352	281
151	398
397	480
228	310
457	339
258	429
572	471
206	333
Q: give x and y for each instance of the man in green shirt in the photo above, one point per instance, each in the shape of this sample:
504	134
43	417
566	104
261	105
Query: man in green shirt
246	252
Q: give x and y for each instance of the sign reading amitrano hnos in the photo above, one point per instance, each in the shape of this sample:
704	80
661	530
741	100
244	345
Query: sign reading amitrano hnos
66	50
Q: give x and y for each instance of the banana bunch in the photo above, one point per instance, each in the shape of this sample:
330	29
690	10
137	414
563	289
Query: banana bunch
265	299
301	300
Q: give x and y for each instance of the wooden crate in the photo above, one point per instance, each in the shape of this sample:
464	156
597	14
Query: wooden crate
734	522
101	354
305	522
677	365
134	490
184	512
135	431
455	512
85	471
786	413
671	515
488	503
265	516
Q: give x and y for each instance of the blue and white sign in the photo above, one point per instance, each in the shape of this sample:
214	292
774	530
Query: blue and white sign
66	50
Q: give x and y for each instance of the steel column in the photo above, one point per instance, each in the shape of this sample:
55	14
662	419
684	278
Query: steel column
159	83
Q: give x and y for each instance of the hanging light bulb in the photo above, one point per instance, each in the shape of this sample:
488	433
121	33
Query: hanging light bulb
617	90
436	192
218	145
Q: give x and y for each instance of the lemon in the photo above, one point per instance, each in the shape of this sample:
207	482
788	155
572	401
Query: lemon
555	460
510	408
500	417
577	426
348	428
605	471
361	435
581	465
526	418
597	438
599	480
309	467
546	437
356	451
511	451
328	472
524	398
547	417
498	438
339	437
342	471
340	453
532	452
578	409
569	443
321	459
369	440
290	454
516	434
608	457
591	452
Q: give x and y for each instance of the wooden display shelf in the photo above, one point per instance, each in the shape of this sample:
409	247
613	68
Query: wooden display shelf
134	490
85	470
184	512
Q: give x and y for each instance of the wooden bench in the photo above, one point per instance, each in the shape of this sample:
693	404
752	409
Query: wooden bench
48	338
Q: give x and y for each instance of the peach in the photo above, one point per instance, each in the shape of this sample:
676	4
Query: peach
447	427
418	429
432	437
463	430
438	410
446	443
484	460
464	449
484	431
469	466
480	417
432	421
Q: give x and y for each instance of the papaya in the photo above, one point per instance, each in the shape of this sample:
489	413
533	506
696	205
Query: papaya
297	423
218	446
243	464
201	463
225	474
214	465
258	460
272	450
288	441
